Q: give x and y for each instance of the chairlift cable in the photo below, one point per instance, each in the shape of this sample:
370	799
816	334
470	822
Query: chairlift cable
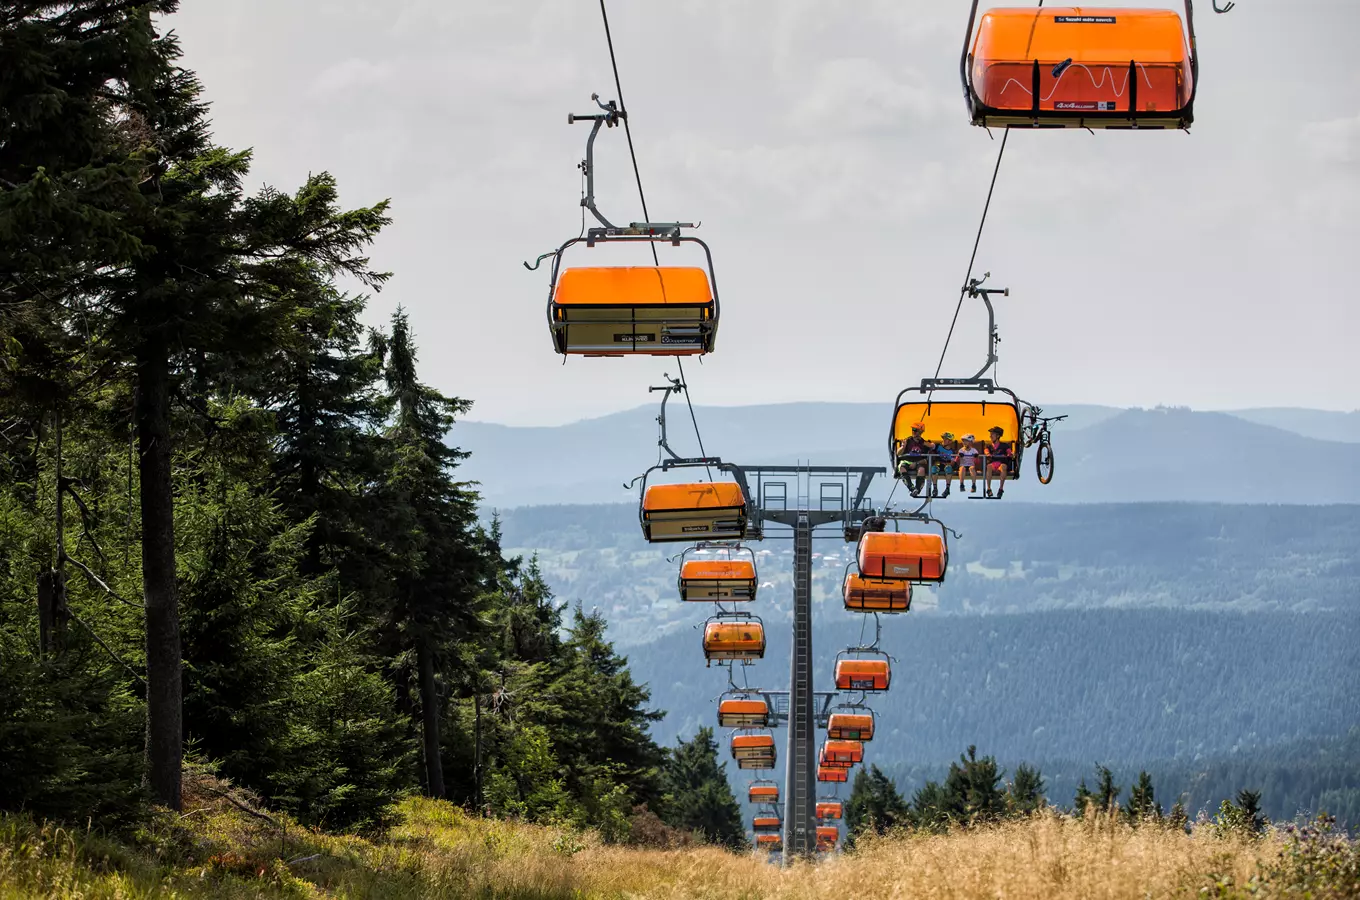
963	291
642	197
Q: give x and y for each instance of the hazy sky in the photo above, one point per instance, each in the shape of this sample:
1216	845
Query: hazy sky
827	151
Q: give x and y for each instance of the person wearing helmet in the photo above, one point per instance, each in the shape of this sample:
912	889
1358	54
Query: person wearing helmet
912	458
997	458
944	449
968	462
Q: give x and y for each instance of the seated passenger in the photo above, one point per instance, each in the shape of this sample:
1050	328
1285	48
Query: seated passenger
998	457
968	462
911	455
944	449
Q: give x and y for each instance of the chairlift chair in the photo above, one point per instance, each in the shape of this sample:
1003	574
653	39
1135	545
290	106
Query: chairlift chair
739	710
762	792
629	310
827	837
734	637
832	775
913	556
749	746
1080	67
684	512
865	594
771	843
974	405
767	825
842	754
718	580
830	809
851	723
863	669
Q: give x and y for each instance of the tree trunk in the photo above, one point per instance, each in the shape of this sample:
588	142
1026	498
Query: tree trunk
164	690
477	758
429	714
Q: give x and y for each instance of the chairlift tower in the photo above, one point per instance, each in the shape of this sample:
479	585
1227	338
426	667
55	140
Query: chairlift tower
841	501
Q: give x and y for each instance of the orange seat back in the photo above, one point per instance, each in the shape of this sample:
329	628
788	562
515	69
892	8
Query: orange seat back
829	809
763	793
1100	44
734	640
766	824
832	774
850	727
863	675
717	495
912	556
876	594
828	834
708	580
633	286
846	753
769	841
743	713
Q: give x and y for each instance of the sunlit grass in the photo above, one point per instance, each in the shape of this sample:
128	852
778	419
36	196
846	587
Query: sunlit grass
215	850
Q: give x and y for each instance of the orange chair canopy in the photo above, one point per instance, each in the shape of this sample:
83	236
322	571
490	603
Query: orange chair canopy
850	727
688	512
739	713
625	310
763	793
769	841
753	742
863	675
958	417
734	640
832	774
828	834
913	556
842	753
876	594
1098	83
766	825
830	809
633	286
717	579
662	498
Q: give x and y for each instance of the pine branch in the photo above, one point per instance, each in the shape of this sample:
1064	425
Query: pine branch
99	582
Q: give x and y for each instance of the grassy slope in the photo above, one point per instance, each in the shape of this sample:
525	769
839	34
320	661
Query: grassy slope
217	851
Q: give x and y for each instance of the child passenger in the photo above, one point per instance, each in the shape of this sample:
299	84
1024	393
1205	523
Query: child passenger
997	454
968	464
945	449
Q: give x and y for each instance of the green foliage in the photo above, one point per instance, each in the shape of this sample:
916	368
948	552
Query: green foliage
698	797
875	805
259	499
1025	793
1142	805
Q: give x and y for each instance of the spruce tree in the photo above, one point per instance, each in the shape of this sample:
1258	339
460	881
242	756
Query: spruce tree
1142	804
874	804
697	795
1107	792
434	570
973	788
1025	793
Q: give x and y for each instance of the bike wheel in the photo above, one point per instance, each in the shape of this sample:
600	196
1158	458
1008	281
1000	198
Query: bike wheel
1043	461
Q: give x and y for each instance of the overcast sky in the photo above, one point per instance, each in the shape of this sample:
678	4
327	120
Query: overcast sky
827	151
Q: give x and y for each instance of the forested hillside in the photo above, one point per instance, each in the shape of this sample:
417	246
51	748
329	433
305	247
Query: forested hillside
232	521
1010	558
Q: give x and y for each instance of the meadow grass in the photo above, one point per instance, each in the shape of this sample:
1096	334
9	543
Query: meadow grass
217	850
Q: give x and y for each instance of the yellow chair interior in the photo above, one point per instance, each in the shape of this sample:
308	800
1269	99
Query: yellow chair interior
960	417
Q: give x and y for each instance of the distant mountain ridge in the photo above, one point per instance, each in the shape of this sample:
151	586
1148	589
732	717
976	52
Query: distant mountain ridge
1104	454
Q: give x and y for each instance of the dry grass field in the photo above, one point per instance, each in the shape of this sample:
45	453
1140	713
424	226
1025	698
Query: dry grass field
217	850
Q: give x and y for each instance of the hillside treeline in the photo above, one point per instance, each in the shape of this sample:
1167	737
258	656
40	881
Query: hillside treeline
230	516
1021	557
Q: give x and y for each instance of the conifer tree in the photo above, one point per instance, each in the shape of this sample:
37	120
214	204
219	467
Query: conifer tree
1142	804
1025	793
697	795
973	788
434	569
1107	792
874	804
